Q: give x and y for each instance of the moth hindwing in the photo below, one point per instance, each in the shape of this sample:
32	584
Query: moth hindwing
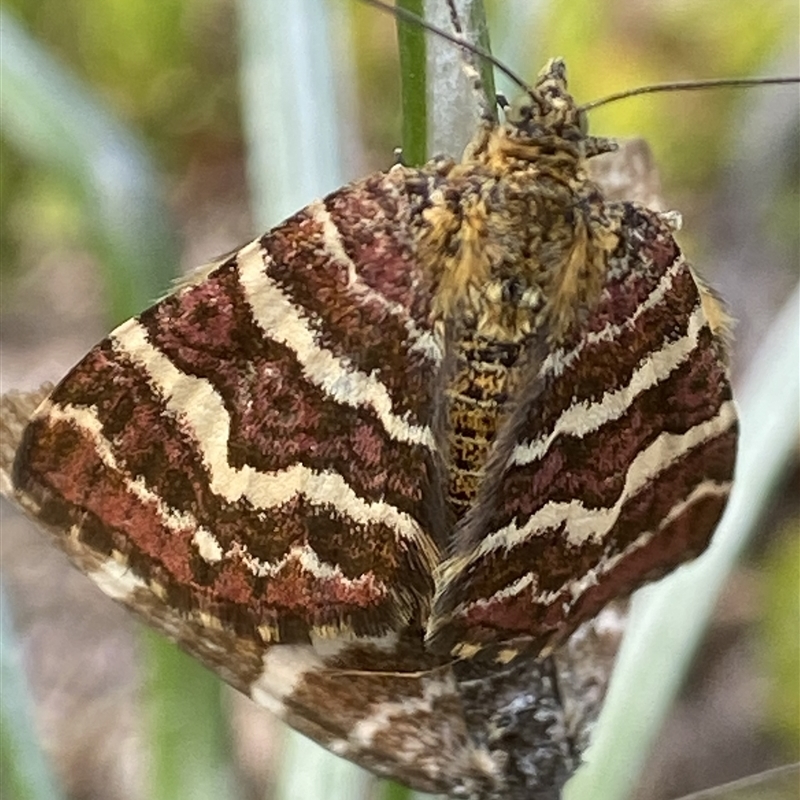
378	462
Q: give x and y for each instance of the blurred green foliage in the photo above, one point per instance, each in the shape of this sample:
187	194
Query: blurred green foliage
780	636
168	70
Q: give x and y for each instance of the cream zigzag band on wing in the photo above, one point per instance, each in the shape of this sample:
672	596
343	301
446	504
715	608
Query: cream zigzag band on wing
702	491
202	405
577	588
584	417
557	361
207	544
422	341
583	524
202	413
282	321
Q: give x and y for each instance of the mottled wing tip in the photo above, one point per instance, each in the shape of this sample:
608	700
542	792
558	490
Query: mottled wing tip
16	409
719	319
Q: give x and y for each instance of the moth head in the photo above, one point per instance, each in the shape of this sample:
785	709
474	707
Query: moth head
549	109
547	104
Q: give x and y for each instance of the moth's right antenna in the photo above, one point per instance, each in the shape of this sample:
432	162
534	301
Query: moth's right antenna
692	85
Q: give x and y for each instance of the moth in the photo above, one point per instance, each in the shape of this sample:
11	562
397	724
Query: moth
378	466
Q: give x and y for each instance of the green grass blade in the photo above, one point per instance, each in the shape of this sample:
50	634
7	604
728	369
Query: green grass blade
289	110
413	71
440	114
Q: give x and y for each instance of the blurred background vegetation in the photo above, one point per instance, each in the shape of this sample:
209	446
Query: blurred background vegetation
169	74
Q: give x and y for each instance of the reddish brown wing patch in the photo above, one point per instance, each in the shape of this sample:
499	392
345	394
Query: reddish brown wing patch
255	446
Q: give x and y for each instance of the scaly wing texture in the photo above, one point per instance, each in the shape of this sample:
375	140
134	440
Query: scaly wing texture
616	470
254	450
